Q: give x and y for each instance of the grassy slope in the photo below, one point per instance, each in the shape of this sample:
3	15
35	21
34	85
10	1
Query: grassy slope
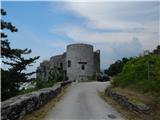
133	83
134	74
133	96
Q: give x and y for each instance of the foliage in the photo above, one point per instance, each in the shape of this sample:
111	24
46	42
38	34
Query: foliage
54	77
57	75
116	67
39	85
135	74
44	84
23	91
14	74
157	50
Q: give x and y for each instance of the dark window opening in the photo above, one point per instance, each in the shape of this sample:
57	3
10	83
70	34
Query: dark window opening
82	67
61	65
69	63
82	62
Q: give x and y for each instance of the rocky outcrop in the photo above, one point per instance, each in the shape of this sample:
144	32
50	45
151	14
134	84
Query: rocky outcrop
124	101
16	107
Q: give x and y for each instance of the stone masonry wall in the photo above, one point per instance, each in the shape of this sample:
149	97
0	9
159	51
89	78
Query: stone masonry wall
124	102
15	108
97	61
80	55
84	63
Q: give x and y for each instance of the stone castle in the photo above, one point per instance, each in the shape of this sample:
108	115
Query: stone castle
79	63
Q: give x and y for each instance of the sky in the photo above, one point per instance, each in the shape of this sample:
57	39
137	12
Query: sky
118	29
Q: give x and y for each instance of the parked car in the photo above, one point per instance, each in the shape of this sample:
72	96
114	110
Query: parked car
103	77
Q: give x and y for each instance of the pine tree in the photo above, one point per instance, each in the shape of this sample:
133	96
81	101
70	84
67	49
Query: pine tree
14	74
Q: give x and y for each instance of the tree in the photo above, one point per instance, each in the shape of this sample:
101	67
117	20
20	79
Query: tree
116	67
15	73
157	50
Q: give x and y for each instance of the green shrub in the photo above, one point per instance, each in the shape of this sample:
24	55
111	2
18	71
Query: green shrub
135	73
59	78
39	85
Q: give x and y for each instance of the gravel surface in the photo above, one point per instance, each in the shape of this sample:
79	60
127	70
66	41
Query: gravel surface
82	102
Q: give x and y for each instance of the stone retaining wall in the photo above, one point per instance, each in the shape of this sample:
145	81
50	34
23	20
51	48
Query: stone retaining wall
124	101
15	108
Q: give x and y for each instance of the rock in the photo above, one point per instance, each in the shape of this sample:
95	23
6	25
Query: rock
143	107
112	116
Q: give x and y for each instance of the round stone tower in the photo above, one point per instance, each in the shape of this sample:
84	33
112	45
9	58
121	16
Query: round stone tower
80	61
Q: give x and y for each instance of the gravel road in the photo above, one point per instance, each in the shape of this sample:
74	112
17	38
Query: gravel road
82	102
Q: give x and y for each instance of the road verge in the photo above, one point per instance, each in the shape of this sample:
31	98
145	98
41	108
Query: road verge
133	98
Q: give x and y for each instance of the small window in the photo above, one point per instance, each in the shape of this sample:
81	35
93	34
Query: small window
69	63
61	65
82	67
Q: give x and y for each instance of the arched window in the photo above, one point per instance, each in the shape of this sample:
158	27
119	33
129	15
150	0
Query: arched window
69	63
82	67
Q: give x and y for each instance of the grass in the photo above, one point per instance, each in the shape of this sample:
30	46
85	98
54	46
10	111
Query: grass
132	82
41	112
135	97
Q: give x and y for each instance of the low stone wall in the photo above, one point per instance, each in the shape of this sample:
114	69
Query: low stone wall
15	108
65	83
124	101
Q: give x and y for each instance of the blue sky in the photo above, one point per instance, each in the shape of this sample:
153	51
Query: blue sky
118	29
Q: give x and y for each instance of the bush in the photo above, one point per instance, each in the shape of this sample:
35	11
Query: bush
135	73
59	78
45	84
39	85
116	67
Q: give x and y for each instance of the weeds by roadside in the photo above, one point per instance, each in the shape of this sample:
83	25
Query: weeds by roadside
132	95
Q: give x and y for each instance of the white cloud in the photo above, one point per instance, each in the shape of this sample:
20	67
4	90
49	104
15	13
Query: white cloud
113	27
147	38
80	34
115	15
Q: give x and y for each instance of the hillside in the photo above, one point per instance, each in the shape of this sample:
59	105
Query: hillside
133	83
135	74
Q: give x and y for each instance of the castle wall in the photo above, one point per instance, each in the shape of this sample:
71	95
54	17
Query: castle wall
84	63
58	61
53	65
80	55
42	72
97	61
